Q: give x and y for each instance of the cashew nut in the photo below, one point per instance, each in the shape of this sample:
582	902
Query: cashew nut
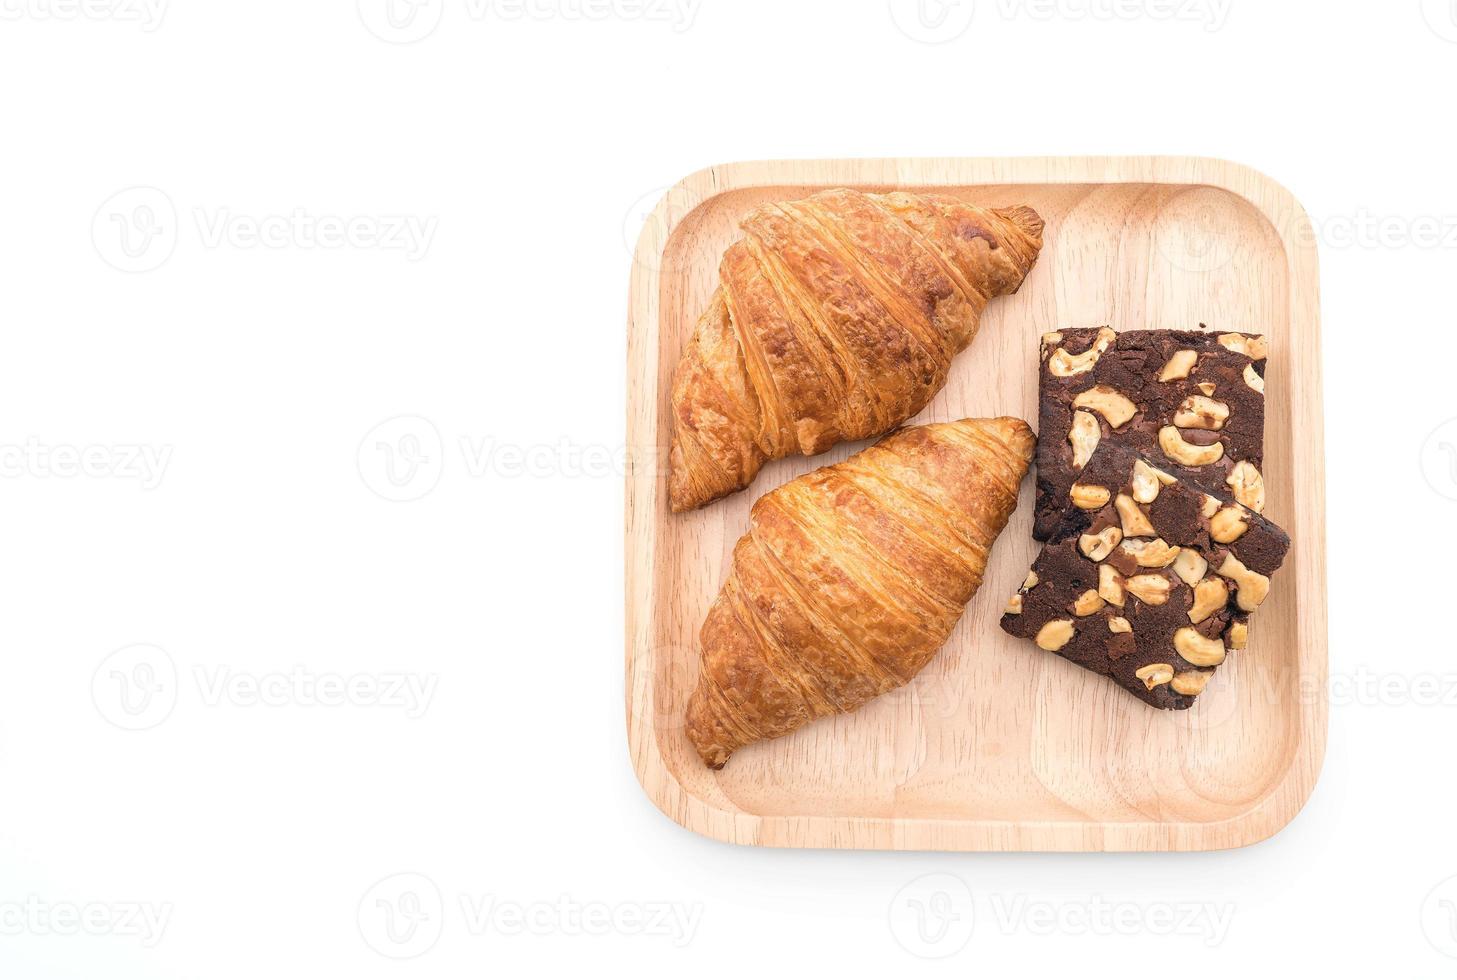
1254	348
1238	635
1055	635
1108	402
1179	365
1209	507
1201	412
1030	581
1248	485
1191	682
1117	624
1210	596
1228	524
1088	496
1250	586
1084	436
1157	553
1172	442
1206	386
1065	365
1087	603
1110	584
1144	482
1190	566
1135	521
1197	648
1152	589
1153	675
1099	546
1253	379
1014	605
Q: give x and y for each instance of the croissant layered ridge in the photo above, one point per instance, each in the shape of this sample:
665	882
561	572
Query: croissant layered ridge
850	578
836	317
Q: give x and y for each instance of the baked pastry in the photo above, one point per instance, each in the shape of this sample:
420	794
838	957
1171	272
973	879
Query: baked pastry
1193	402
1147	579
850	578
836	317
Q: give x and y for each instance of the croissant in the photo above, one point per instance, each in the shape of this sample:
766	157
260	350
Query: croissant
850	578
836	317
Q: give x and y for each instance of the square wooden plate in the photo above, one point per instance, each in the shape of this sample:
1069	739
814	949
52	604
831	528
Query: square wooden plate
996	745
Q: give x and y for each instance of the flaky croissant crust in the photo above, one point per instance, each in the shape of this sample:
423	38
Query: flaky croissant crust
850	578
836	317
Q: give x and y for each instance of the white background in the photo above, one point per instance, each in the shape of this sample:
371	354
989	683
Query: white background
260	821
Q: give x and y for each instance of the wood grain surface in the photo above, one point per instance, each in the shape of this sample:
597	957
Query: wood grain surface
998	745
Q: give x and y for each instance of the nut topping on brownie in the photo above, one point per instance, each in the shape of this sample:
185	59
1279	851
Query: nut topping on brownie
1151	583
1190	401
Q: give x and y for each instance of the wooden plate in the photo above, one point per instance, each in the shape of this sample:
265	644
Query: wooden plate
997	745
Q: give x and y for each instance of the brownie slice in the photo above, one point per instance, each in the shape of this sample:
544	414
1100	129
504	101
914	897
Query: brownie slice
1147	579
1192	402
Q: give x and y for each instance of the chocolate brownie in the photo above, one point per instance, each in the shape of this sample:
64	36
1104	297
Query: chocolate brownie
1192	401
1147	579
